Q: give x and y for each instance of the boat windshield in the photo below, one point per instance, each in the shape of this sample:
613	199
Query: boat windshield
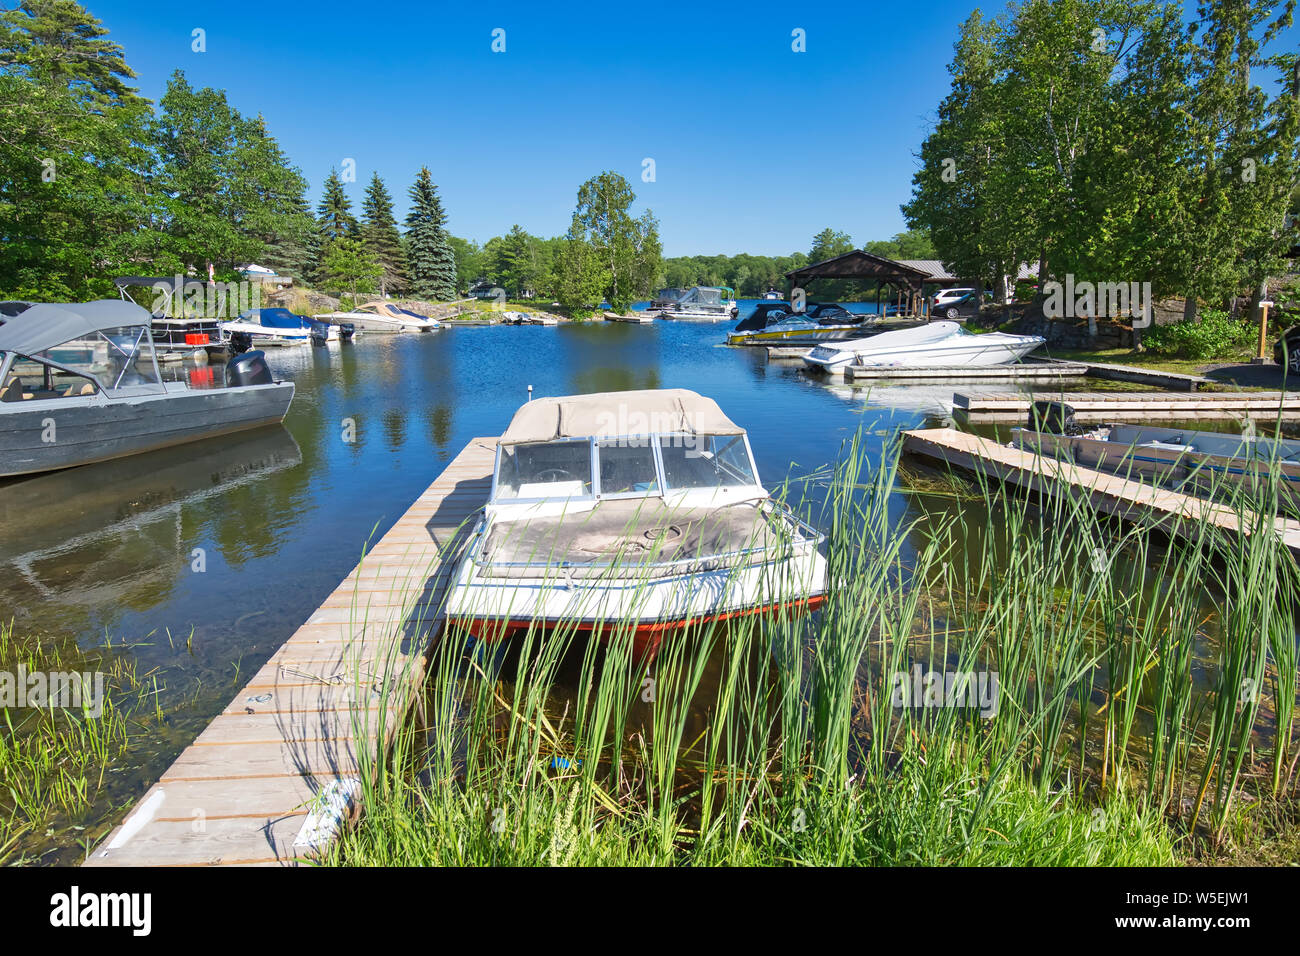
624	467
114	357
705	461
553	469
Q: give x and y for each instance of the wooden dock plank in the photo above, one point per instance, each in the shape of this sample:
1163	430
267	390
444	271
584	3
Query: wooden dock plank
1123	497
1133	406
311	716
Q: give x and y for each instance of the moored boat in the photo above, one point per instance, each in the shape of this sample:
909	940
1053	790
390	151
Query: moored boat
381	316
639	510
1202	459
779	324
277	327
935	345
79	383
700	303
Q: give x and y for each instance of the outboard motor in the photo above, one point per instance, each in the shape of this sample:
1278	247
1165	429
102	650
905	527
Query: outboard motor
346	331
1055	418
320	332
249	368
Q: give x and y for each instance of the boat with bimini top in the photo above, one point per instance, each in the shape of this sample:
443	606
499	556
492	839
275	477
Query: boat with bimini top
80	383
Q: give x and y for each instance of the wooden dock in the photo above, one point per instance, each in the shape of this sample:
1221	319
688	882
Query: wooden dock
257	785
1134	406
1172	381
1023	372
1125	498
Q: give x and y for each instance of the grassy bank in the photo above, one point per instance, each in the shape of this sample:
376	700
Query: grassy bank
1142	715
56	760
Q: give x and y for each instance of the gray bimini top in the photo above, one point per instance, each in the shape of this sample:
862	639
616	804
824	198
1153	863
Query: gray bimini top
47	325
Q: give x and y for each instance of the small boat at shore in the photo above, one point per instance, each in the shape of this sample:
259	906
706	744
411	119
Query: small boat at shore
381	317
1183	456
638	510
79	383
278	328
935	345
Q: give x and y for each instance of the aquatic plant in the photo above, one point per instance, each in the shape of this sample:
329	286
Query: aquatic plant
1117	718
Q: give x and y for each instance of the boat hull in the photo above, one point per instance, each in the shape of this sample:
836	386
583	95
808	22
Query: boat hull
52	434
646	635
807	336
651	607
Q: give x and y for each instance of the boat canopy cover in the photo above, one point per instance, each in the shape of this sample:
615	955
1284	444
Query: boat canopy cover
933	332
276	318
664	411
47	325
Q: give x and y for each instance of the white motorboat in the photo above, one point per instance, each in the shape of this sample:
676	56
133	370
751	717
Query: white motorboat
382	316
79	383
704	303
277	327
638	510
936	345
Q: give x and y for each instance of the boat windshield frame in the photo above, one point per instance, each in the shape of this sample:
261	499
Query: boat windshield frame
662	489
129	354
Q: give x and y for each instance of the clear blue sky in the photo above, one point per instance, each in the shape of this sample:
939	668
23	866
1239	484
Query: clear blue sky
756	147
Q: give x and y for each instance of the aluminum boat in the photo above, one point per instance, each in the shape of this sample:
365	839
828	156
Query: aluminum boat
80	383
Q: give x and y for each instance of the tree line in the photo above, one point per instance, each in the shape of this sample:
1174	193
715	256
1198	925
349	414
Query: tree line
96	181
1118	142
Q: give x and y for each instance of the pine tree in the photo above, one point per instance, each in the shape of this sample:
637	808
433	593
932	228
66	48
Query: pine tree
334	214
334	220
382	239
431	265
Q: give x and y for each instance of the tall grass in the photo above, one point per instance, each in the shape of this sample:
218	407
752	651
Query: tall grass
1121	734
54	761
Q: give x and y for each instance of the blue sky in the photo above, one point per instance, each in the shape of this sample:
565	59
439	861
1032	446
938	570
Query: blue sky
756	147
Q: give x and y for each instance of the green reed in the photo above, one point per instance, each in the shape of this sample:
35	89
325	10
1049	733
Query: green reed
782	739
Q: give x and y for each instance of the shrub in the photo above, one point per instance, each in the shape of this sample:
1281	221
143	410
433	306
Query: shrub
1216	335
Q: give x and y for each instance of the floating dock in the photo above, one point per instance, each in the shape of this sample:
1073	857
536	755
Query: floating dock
1023	372
1125	498
1172	381
270	778
1134	406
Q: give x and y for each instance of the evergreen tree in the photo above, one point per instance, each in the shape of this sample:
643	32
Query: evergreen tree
334	220
381	236
430	262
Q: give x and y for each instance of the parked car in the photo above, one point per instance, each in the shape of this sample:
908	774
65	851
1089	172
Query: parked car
954	303
1286	350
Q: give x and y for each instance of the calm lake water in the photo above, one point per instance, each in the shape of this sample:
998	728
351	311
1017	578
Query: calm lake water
197	562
